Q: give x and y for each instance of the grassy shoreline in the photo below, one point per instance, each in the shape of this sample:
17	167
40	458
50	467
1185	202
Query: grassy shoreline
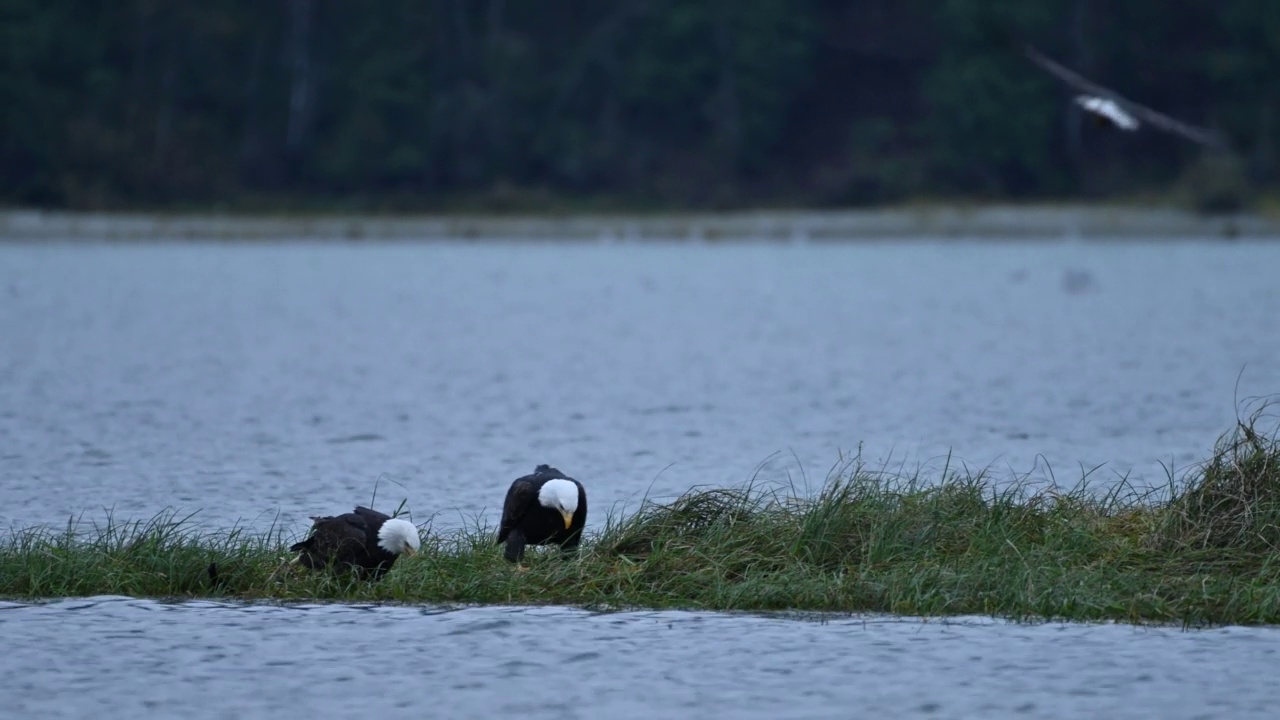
926	220
1205	552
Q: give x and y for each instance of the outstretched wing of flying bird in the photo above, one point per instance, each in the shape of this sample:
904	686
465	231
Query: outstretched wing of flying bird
1104	95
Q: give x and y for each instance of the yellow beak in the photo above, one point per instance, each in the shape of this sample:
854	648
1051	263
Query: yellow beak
568	518
409	551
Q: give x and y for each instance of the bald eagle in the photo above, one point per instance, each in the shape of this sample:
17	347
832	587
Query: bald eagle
546	507
1110	108
366	542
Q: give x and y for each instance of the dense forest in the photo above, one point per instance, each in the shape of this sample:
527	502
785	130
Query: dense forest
642	103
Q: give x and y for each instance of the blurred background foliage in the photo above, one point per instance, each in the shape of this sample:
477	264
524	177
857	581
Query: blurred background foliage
637	103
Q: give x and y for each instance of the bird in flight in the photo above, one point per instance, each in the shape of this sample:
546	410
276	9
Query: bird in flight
1110	108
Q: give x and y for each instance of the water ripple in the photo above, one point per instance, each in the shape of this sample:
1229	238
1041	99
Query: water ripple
226	378
261	383
207	660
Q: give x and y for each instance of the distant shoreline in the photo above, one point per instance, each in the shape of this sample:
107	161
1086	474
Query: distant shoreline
1012	222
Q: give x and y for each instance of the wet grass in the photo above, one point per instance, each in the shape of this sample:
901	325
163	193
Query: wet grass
1201	550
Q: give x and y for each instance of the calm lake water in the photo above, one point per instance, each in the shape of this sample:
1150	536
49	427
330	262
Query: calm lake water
273	381
246	380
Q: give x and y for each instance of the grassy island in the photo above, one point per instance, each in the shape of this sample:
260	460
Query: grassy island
1202	550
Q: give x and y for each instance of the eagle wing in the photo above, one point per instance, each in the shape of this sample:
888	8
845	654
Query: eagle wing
339	538
370	516
519	497
370	521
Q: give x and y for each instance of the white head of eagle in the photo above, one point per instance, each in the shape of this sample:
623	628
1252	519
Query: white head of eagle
398	536
560	495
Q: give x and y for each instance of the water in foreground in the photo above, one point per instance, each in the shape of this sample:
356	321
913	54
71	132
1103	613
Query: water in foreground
118	657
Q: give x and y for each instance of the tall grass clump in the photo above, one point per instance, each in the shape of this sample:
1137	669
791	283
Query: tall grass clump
1233	504
166	555
1202	549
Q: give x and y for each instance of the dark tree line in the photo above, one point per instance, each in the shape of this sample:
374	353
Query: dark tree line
712	103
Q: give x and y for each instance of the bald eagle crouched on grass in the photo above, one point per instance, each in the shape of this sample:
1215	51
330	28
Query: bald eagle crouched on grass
365	542
544	508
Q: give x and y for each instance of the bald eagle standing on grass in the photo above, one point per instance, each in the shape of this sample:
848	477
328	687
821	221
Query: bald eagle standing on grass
366	542
544	508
